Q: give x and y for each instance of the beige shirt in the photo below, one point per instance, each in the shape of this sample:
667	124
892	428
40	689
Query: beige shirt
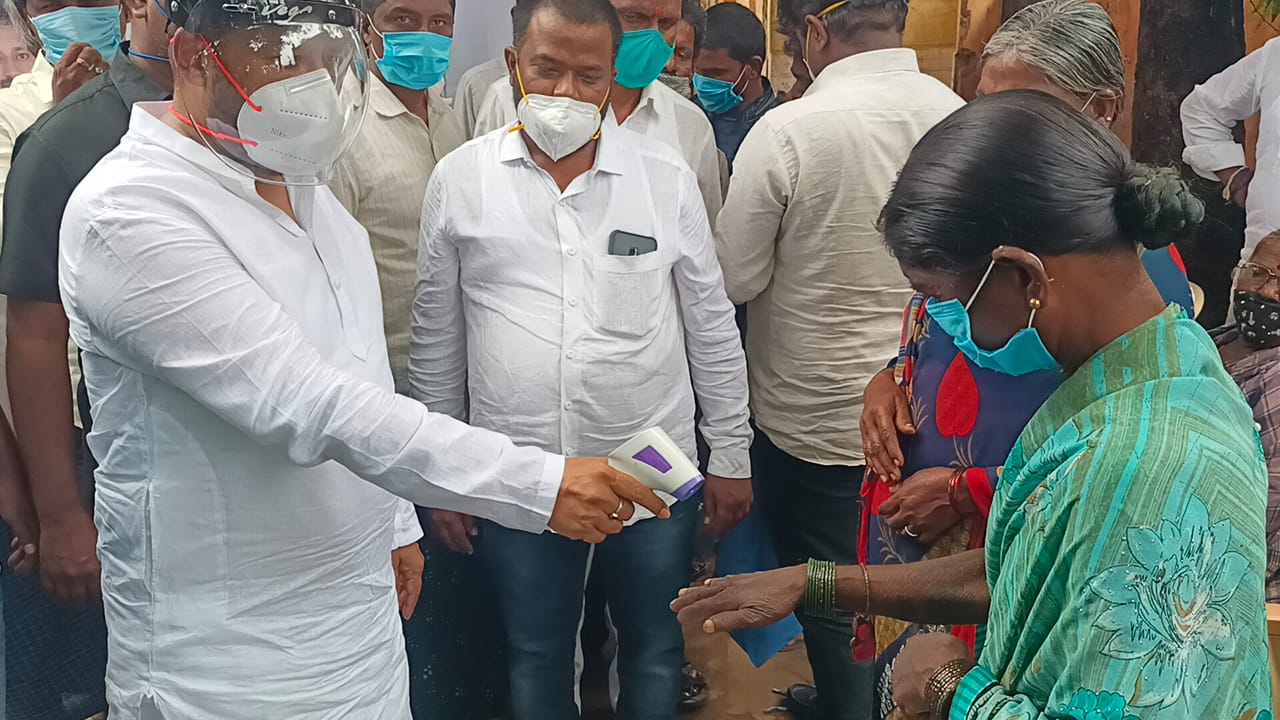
798	243
472	87
21	104
382	180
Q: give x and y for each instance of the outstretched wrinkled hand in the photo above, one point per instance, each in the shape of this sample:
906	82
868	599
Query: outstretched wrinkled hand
595	500
742	602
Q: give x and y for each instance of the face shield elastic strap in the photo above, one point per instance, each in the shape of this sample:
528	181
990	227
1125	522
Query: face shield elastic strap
525	97
239	89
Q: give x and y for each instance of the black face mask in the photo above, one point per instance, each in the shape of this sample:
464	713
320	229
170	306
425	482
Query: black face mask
1258	320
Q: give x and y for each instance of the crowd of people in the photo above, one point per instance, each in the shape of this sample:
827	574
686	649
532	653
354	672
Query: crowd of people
283	305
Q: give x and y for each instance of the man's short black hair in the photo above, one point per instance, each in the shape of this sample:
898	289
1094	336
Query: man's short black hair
736	30
578	12
691	12
846	21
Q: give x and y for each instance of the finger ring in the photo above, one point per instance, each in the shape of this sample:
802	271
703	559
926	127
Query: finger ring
909	532
615	512
97	69
83	63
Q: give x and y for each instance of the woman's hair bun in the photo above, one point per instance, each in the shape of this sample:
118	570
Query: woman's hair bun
1155	205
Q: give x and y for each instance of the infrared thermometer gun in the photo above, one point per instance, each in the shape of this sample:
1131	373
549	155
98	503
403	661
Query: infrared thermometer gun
653	458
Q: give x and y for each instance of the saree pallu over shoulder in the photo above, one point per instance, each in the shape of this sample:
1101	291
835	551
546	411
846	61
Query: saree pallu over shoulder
1126	548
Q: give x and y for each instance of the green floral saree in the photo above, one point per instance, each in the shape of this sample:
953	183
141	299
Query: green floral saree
1126	546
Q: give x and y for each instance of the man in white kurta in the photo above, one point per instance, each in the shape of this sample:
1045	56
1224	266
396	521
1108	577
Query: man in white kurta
235	360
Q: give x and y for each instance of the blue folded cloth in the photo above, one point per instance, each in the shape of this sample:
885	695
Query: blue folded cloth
747	549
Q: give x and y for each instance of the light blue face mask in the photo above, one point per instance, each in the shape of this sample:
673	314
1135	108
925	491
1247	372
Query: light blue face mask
718	96
414	60
1024	354
98	27
643	56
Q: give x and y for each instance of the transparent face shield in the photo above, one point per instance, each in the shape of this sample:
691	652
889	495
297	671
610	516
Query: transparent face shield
285	86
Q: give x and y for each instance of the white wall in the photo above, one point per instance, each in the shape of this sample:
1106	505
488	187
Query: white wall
482	29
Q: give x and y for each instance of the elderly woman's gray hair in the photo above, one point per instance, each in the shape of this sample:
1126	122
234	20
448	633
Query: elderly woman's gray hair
1073	42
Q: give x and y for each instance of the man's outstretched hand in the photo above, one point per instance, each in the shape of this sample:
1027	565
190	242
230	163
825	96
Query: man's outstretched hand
595	500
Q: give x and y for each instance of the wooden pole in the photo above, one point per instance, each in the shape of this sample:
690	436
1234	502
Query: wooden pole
1182	43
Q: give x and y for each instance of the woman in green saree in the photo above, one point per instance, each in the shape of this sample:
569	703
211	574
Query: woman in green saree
1122	575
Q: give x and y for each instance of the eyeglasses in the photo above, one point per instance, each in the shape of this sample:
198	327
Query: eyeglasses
1260	273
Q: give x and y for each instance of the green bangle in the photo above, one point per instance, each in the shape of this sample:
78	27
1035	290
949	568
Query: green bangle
820	589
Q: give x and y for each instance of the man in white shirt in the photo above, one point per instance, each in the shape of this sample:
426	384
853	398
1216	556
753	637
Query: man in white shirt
569	298
638	101
246	427
1209	117
798	243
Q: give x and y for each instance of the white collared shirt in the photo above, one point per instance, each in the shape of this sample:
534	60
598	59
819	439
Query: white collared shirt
1209	116
662	114
528	325
240	389
798	243
381	180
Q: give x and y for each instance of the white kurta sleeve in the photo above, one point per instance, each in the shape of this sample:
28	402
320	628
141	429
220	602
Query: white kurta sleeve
407	530
1212	111
748	226
152	288
438	335
717	362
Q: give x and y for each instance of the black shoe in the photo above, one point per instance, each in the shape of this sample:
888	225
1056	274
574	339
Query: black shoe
694	689
801	701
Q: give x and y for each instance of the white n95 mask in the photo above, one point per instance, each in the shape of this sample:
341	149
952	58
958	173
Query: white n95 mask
559	126
294	126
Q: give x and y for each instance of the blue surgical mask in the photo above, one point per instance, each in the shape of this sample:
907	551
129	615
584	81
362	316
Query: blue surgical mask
717	96
643	56
1024	354
98	27
414	60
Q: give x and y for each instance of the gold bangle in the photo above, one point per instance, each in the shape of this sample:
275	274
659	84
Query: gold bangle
866	581
941	686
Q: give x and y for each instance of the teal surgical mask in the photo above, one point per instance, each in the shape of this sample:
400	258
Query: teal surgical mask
1024	354
98	27
414	60
717	96
643	56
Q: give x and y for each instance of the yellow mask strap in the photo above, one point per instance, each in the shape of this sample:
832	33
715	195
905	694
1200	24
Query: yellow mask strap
525	95
831	7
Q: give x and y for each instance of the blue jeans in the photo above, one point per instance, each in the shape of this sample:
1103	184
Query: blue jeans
539	580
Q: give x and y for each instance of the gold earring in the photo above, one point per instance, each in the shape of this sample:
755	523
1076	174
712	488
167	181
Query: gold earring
1035	303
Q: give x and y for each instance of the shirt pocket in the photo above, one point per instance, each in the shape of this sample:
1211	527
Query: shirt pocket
626	291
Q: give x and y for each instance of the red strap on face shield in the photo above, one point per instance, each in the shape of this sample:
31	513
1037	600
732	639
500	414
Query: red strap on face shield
227	75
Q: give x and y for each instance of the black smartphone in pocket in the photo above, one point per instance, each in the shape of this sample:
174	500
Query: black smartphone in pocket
625	243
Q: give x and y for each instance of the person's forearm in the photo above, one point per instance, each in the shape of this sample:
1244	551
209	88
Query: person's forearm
947	591
40	393
16	507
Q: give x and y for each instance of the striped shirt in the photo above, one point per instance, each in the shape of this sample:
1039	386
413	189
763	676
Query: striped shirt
381	180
